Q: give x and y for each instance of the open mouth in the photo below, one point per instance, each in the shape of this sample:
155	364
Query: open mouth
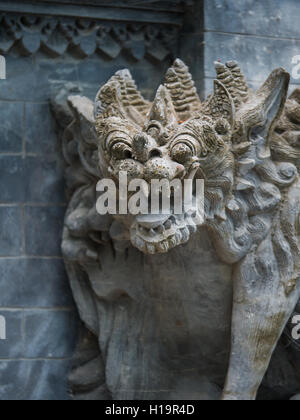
158	233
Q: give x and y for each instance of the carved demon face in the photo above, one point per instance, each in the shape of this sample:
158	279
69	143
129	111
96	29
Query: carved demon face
162	153
176	137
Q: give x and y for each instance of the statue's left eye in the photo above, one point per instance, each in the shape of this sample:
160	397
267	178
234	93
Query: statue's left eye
121	151
181	153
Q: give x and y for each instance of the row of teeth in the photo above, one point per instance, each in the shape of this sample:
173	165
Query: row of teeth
180	237
158	230
171	222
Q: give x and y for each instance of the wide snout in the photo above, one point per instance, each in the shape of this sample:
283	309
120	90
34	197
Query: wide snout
155	159
162	168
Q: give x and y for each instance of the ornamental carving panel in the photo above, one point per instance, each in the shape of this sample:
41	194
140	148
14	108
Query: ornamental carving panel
56	36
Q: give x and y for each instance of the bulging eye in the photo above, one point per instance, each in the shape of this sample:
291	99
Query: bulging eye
121	151
181	153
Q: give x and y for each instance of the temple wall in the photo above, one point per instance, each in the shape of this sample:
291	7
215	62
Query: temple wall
261	35
49	49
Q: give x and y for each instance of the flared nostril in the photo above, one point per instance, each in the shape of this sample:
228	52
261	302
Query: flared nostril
155	153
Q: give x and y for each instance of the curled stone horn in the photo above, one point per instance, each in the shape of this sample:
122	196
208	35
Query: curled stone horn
263	109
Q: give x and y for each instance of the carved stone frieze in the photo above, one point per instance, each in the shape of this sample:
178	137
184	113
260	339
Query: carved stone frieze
56	36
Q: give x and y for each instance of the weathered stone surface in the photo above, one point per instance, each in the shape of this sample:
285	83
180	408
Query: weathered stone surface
43	230
12	347
11	231
12	179
11	127
257	54
189	44
31	180
40	129
43	180
163	295
34	283
273	18
93	74
208	85
282	378
49	334
34	380
34	81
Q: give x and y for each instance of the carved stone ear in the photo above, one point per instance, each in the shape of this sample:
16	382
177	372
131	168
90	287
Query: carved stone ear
83	130
108	101
163	110
271	98
261	113
221	104
82	108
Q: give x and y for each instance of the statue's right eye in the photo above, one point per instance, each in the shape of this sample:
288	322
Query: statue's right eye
181	153
121	151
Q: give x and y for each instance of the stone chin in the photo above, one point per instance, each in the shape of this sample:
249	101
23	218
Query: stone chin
157	234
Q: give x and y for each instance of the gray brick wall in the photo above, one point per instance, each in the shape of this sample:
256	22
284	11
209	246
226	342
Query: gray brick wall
260	34
35	298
